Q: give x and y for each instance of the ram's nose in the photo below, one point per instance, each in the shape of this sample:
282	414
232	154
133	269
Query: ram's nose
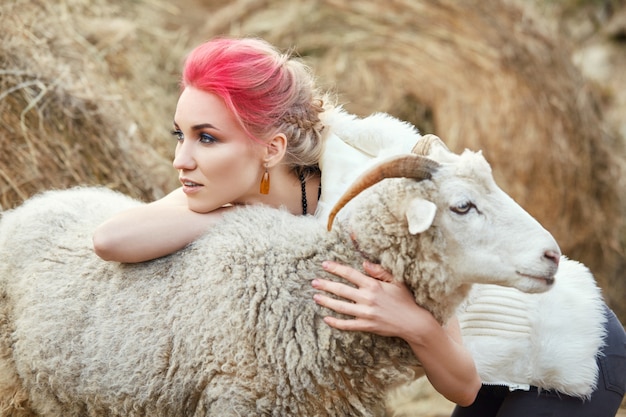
552	256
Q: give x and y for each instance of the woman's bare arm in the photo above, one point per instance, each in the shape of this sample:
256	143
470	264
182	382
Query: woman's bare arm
152	230
388	309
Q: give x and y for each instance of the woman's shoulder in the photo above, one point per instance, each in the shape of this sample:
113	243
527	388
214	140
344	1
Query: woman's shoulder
353	144
378	134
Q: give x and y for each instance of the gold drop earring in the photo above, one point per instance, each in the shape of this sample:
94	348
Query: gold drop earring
265	182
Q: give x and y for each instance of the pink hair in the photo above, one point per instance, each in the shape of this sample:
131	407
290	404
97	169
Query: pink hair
267	92
250	76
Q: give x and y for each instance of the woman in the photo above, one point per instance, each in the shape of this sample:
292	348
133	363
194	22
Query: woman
248	131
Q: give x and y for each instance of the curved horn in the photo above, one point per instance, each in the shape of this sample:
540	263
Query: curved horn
409	166
426	143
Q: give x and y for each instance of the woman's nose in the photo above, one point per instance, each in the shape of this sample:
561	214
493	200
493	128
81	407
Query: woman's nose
183	157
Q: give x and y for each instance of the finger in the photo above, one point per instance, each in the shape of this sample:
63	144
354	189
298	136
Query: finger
346	272
377	271
339	306
337	288
349	325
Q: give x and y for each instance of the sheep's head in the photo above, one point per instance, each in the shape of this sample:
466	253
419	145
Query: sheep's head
477	231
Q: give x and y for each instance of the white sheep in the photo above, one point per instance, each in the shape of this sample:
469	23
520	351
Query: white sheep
227	326
516	338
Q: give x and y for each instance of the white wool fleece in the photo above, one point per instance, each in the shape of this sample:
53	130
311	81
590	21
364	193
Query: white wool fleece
548	340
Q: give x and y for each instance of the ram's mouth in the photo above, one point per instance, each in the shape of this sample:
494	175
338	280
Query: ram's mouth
548	279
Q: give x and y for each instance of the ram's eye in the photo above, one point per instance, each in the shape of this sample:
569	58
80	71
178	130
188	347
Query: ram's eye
463	208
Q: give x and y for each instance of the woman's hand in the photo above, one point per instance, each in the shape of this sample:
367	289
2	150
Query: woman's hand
379	305
385	307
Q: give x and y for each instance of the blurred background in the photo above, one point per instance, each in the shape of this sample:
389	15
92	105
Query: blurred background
88	90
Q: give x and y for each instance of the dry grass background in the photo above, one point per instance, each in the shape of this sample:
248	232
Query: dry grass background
88	89
74	108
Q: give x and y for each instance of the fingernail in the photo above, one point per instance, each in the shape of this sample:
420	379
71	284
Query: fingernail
367	264
315	283
325	264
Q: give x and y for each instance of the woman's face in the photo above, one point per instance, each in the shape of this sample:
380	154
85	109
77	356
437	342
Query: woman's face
217	161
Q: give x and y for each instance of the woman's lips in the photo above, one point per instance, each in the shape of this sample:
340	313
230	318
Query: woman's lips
190	187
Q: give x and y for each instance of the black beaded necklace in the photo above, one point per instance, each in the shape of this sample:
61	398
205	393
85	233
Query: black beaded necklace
303	186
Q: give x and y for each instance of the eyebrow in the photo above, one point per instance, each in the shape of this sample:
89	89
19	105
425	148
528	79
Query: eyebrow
201	126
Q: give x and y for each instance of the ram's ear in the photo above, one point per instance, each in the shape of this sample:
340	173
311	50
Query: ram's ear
420	215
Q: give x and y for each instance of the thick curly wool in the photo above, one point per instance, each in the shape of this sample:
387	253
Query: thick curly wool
224	327
387	241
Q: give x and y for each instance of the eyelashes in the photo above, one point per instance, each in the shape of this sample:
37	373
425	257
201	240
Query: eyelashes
178	134
202	137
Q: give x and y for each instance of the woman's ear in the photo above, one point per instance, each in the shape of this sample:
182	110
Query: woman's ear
275	150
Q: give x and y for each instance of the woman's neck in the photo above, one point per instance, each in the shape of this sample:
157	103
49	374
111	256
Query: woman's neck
313	188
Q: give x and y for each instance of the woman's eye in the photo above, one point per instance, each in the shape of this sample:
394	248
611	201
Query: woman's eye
206	138
463	208
177	134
